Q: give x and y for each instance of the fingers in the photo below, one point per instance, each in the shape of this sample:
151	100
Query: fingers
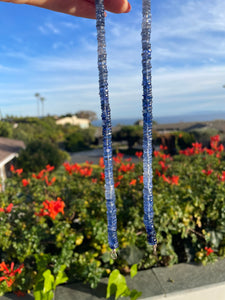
79	8
117	6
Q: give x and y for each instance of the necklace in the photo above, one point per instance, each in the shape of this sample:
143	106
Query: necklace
107	126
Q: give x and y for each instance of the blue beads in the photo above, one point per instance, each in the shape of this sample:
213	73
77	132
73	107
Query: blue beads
147	123
106	126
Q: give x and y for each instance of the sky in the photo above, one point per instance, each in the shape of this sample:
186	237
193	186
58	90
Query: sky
56	55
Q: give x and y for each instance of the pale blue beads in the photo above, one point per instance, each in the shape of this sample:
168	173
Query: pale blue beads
147	123
106	126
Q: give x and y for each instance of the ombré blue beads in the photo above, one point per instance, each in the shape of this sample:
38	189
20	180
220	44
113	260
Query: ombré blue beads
107	129
106	126
147	123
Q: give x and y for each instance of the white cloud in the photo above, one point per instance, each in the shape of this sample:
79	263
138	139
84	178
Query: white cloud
49	28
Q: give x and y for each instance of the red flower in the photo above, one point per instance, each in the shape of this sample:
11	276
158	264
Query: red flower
49	183
9	273
52	208
215	138
157	172
207	173
101	162
19	171
171	180
16	171
163	147
133	182
8	209
188	151
175	179
222	178
208	251
197	145
165	156
85	171
25	182
209	151
94	180
141	178
162	164
120	155
156	153
220	148
139	154
197	148
128	159
117	184
120	177
166	179
126	168
40	174
67	167
102	178
116	159
49	168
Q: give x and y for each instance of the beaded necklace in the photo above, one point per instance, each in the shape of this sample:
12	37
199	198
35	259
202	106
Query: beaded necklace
107	126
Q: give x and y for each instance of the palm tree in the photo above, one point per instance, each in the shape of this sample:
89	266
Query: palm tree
42	99
37	95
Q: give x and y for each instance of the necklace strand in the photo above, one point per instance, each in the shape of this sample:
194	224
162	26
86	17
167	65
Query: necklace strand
147	122
107	127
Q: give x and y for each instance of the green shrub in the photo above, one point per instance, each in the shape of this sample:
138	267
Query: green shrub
6	129
38	154
80	139
130	133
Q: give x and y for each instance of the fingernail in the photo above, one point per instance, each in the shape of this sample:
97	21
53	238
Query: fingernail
129	8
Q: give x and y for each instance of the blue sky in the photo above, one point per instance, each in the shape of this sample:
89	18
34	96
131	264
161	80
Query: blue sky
55	55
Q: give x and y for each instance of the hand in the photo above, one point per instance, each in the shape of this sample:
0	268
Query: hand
79	8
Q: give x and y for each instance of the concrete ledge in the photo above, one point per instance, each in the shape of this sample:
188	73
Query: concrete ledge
179	282
209	292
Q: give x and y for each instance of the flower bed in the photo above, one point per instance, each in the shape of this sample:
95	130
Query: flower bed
56	220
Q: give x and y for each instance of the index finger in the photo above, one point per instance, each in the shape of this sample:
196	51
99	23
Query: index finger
79	8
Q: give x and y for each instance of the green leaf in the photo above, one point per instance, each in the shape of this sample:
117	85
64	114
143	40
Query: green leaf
48	282
133	270
116	285
50	296
61	277
135	295
38	295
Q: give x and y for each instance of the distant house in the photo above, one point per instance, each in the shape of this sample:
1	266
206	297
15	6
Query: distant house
182	126
74	120
9	149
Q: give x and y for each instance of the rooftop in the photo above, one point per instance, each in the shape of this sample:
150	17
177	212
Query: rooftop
9	147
